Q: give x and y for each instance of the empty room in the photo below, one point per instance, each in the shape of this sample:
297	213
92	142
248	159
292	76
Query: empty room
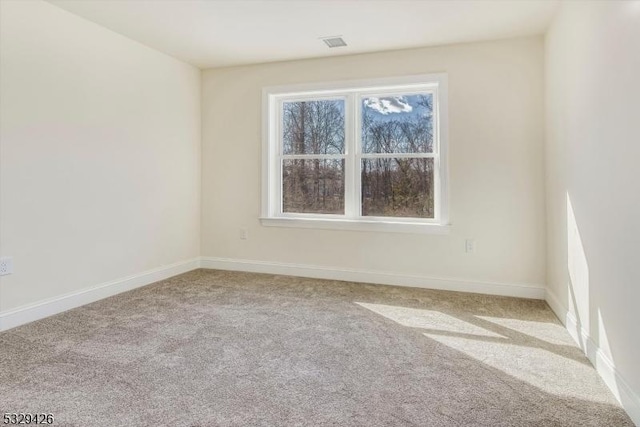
319	213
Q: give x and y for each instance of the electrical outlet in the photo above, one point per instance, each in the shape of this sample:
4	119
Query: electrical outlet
470	246
6	266
244	233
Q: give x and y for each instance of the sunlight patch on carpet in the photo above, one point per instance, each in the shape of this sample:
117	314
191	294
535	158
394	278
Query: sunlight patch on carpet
427	319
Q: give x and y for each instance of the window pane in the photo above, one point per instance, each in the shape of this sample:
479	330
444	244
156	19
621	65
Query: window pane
397	124
313	186
397	187
313	127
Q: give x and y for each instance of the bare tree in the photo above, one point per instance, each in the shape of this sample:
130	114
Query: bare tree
313	128
398	186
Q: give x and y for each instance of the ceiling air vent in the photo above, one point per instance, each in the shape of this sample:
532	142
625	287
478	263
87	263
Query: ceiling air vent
335	41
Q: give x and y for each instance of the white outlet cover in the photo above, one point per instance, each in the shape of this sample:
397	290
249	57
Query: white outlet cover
244	233
6	266
470	246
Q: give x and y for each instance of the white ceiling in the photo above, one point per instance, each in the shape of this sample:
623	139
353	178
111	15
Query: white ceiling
211	33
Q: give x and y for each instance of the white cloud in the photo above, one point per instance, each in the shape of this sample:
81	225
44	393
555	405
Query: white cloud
389	104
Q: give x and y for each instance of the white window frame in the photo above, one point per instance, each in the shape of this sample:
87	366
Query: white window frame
353	92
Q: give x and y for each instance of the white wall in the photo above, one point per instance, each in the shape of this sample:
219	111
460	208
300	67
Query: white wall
496	168
100	155
593	184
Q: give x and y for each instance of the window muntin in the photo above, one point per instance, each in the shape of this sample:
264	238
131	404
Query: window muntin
371	153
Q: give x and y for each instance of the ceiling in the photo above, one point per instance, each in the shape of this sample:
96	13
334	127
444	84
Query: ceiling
214	33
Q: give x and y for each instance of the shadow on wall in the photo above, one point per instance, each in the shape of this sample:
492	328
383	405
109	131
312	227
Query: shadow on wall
591	336
578	269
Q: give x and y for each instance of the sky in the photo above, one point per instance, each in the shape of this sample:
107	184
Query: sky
394	107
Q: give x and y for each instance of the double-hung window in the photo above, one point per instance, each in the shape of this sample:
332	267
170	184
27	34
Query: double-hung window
366	155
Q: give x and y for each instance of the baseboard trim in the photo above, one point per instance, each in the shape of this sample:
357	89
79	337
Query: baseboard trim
603	364
29	313
376	277
605	367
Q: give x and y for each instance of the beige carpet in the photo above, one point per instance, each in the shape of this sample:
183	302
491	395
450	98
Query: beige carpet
212	348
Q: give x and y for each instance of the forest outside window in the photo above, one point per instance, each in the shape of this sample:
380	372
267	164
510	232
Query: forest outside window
357	155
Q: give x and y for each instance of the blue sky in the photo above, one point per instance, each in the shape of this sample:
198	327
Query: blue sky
389	108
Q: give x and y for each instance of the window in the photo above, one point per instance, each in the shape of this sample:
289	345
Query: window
365	156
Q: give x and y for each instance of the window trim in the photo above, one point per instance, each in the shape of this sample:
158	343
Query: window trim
272	98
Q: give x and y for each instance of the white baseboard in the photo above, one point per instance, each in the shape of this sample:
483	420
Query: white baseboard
605	367
25	314
603	364
376	277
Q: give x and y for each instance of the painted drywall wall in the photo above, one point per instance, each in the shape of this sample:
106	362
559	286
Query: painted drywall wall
496	167
593	185
99	152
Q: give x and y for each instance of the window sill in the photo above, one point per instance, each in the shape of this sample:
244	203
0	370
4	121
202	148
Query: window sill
358	225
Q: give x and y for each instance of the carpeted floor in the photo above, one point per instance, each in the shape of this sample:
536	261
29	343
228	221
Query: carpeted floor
212	348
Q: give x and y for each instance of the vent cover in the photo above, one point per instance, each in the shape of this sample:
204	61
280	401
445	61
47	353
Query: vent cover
335	41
